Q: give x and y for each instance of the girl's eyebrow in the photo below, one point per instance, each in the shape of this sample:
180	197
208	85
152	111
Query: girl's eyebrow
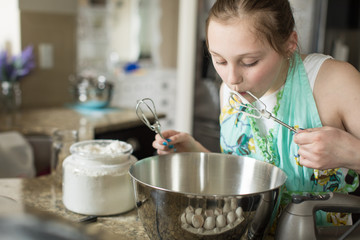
214	53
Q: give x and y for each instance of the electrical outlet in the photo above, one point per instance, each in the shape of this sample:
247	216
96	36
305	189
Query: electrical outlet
46	56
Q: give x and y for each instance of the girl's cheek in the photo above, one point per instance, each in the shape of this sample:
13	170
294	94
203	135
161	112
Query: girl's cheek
221	73
253	77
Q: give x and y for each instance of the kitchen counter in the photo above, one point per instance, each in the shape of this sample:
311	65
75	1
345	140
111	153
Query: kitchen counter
38	124
42	195
87	122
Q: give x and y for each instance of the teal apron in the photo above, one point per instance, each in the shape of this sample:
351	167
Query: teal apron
295	106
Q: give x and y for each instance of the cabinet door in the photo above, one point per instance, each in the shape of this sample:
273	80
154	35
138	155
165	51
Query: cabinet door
140	138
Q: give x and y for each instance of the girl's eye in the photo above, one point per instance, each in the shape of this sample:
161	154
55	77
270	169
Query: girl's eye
220	62
217	60
250	64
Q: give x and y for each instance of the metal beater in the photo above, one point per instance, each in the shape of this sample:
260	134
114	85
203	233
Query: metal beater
150	106
239	103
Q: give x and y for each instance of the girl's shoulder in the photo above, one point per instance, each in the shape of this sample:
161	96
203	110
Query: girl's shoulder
326	70
336	89
338	71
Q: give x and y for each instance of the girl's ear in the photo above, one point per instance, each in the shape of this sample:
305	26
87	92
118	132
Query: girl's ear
292	43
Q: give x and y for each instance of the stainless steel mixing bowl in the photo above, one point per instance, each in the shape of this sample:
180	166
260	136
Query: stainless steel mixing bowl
206	196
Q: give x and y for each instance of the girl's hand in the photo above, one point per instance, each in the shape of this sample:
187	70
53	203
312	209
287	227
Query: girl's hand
327	148
176	142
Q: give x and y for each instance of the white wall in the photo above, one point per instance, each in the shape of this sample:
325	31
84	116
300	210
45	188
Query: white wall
9	26
186	65
10	37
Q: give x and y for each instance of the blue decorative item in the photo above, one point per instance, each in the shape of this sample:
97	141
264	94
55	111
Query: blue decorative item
12	69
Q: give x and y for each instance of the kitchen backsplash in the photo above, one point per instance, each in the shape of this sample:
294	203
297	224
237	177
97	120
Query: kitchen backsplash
157	84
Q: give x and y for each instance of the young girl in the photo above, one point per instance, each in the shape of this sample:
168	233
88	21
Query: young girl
253	47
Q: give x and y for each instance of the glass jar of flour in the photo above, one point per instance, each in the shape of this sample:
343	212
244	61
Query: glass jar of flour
96	179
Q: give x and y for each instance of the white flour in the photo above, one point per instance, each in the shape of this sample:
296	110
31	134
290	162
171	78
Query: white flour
114	148
95	187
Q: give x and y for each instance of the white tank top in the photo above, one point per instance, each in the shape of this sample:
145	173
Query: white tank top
312	64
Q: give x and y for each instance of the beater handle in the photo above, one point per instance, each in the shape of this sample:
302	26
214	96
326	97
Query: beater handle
283	124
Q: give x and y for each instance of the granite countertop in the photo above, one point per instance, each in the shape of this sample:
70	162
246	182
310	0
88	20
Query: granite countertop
40	193
87	122
43	195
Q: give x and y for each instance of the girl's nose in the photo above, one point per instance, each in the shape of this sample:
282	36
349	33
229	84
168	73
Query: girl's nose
234	75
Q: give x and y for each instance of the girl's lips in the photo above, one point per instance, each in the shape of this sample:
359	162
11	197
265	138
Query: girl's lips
241	93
